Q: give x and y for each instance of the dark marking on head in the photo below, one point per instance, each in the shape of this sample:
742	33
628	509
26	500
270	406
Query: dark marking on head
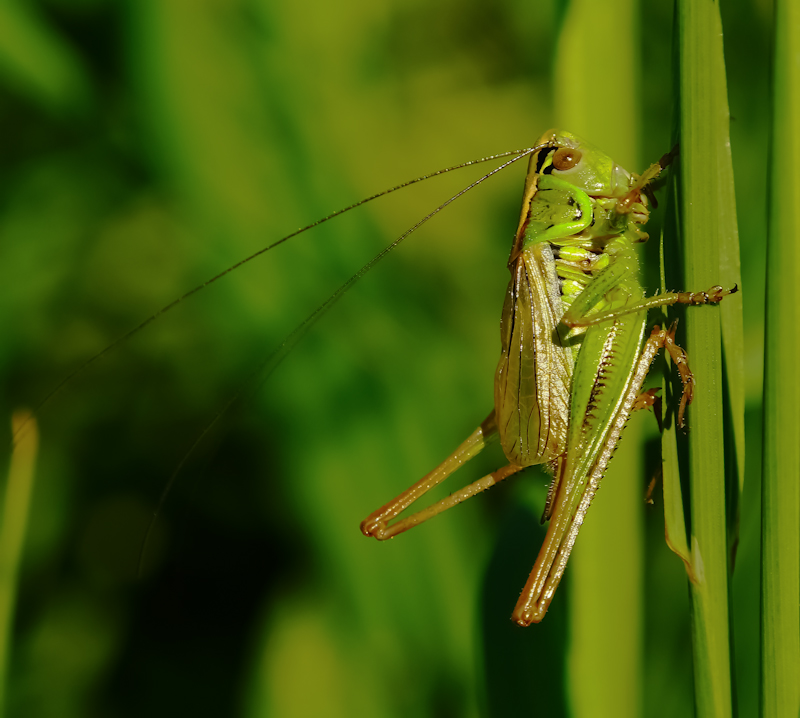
542	158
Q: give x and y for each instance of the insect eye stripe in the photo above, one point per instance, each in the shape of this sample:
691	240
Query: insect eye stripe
544	155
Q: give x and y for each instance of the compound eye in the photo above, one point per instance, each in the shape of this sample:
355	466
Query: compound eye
566	158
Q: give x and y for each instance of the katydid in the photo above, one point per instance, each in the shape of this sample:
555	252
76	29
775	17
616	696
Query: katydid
572	363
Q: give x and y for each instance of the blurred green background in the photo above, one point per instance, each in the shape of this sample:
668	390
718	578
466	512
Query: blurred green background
147	145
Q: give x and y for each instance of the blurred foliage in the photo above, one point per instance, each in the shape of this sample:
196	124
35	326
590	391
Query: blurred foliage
147	145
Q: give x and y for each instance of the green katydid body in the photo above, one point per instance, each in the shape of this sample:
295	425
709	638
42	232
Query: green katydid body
571	241
572	362
573	218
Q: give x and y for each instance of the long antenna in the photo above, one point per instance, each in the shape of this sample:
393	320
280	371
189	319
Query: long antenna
268	366
111	347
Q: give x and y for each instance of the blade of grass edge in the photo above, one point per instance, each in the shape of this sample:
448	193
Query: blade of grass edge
708	217
780	489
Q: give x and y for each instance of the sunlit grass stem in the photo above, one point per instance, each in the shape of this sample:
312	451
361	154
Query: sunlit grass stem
780	488
12	534
710	256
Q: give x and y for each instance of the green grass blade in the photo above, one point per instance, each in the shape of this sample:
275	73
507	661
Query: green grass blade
780	490
708	228
12	534
606	568
674	515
